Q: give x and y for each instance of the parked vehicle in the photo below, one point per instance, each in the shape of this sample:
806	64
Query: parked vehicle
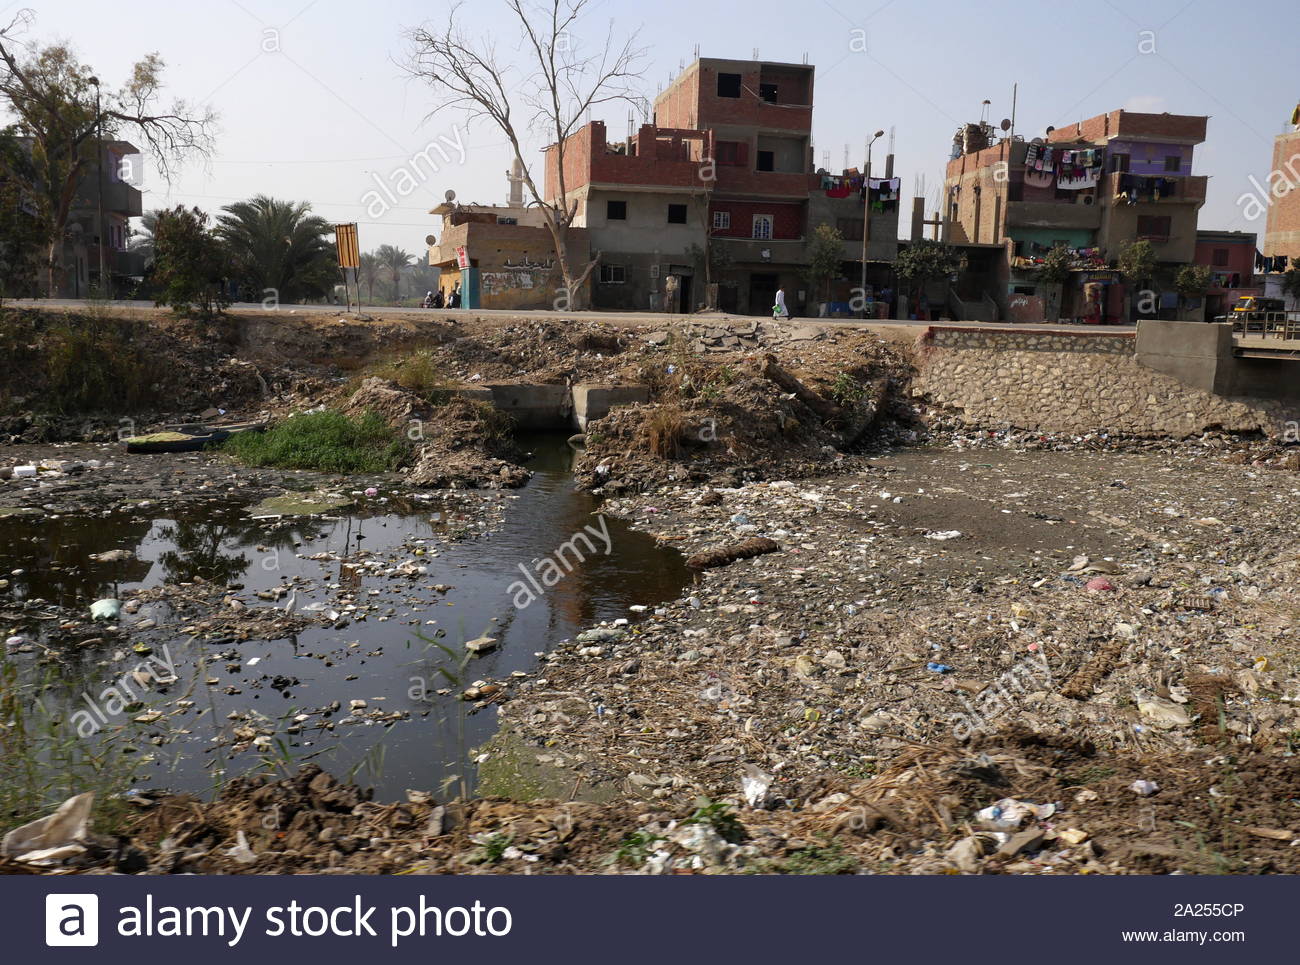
1257	315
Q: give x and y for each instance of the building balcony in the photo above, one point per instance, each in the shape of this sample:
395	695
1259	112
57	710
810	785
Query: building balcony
1187	190
1053	214
124	199
127	262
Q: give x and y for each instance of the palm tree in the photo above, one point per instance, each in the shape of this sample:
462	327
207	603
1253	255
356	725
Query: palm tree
142	239
371	266
394	259
278	246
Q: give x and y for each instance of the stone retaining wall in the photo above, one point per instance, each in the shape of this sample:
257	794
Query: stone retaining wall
1067	382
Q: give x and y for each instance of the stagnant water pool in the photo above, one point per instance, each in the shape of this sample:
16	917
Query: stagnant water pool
395	664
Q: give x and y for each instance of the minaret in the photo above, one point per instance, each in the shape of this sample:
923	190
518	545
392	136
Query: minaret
516	178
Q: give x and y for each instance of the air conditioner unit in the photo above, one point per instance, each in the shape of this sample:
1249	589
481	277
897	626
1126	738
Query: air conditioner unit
1086	199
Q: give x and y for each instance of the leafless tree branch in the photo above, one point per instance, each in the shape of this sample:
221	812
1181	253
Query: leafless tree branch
559	88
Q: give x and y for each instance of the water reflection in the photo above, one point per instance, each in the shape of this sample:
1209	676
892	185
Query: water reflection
404	629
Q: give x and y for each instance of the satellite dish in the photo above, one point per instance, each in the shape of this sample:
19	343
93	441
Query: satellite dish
430	240
1049	130
1037	140
1006	124
450	195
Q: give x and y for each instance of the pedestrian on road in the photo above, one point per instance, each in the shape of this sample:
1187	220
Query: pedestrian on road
779	310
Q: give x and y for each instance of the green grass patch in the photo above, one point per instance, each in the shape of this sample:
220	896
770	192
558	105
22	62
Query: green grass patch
324	441
419	372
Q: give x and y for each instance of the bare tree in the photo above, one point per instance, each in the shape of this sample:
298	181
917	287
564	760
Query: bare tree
551	98
59	107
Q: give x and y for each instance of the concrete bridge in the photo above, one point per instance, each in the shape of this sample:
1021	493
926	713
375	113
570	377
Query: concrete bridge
1211	358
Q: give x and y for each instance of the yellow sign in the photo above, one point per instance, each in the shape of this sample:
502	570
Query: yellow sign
345	240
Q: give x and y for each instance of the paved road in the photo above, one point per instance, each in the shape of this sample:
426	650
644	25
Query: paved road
626	318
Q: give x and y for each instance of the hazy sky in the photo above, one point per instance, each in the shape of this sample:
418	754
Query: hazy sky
314	104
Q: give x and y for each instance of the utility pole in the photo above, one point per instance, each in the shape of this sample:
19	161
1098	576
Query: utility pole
105	289
866	221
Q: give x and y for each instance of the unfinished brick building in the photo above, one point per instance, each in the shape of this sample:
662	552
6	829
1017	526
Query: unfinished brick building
1282	231
723	175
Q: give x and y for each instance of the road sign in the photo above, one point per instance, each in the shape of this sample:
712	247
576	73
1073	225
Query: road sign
345	240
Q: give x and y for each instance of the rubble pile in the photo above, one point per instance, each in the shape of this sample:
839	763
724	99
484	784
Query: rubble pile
459	442
752	416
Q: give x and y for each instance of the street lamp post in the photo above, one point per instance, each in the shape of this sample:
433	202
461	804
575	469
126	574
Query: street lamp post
104	286
866	221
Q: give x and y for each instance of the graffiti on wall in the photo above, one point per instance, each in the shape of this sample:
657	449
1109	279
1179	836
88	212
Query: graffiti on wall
1024	308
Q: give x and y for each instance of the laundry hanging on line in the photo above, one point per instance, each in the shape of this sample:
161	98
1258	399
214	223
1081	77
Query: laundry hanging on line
1078	178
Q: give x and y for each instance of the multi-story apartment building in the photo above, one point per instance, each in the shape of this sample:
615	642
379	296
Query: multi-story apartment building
720	187
82	241
112	185
760	117
1093	187
644	206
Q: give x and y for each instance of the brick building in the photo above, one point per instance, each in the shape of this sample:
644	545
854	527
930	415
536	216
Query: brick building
1230	255
724	174
643	203
760	118
510	246
84	247
1093	187
1282	231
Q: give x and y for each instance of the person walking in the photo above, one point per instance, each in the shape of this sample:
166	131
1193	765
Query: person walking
779	310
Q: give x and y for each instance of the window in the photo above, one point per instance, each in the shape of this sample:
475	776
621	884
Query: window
677	214
1173	163
722	219
733	152
615	210
1152	227
613	274
728	85
849	228
1119	162
762	226
766	161
1220	257
767	92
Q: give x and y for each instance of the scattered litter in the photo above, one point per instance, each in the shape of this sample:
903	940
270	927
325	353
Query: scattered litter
54	838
